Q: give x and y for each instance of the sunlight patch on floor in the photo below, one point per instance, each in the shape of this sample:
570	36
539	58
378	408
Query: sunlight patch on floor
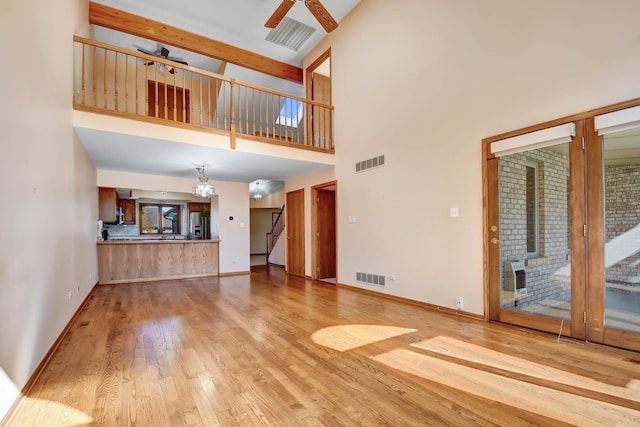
461	350
533	398
349	337
48	413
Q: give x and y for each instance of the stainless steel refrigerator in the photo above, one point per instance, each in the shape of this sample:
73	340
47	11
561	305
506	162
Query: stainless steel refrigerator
199	226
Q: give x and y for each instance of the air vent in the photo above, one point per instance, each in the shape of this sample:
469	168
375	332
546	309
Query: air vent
365	165
373	279
290	33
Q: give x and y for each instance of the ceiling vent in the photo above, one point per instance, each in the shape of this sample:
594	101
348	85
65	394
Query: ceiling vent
290	33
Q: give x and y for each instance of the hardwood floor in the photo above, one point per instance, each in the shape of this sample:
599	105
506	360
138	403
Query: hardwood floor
268	349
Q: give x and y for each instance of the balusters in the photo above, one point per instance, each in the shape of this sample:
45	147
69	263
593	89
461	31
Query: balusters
82	100
260	105
253	110
235	107
246	107
104	79
126	83
115	72
137	85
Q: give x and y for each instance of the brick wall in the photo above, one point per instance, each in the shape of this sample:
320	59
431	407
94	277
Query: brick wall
622	213
544	286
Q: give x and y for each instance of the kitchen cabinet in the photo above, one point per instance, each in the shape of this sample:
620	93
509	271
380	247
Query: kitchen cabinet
107	205
195	207
128	208
204	208
149	260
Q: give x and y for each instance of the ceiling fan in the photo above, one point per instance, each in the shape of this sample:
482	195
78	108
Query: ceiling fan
163	53
315	7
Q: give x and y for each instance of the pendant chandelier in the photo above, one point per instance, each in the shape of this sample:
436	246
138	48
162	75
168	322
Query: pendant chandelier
203	188
257	195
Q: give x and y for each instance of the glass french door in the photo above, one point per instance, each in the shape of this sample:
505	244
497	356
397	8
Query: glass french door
614	249
563	231
535	232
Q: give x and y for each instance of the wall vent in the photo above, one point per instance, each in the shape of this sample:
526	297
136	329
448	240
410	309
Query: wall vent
290	33
372	163
373	279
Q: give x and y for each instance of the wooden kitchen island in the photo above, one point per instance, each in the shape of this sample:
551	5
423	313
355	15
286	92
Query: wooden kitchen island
149	260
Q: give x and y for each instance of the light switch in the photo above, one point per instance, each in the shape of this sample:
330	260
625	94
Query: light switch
351	219
453	212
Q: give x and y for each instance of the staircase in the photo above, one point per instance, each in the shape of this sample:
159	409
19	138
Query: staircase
276	231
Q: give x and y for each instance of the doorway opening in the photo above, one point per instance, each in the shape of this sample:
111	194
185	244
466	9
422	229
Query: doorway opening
294	229
318	88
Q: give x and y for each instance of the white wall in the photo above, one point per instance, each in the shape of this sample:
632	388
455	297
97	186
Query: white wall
277	254
47	186
423	86
273	200
233	201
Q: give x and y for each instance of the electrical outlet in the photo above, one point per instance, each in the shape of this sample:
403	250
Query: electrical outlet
459	303
70	295
392	277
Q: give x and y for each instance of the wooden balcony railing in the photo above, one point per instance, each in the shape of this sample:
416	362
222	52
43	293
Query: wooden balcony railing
122	82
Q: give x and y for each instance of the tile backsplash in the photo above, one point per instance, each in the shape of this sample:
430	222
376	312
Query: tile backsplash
122	230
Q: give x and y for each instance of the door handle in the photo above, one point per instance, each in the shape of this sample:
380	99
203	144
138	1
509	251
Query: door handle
494	240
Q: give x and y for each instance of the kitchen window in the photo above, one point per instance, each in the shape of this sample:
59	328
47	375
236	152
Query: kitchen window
160	218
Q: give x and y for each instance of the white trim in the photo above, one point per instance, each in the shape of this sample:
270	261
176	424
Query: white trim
617	121
533	140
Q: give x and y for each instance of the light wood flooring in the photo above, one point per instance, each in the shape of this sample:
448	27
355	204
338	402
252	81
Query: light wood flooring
268	349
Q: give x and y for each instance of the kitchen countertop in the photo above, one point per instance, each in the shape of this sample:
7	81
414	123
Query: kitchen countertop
153	241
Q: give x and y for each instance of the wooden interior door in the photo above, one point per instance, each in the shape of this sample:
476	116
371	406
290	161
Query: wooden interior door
325	233
295	233
175	99
321	117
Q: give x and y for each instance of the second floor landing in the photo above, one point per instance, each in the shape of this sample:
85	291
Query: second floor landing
138	113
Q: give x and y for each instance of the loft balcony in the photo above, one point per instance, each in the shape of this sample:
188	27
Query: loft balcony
122	83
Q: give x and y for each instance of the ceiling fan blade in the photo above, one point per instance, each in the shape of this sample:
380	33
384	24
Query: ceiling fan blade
145	52
322	15
178	61
280	12
150	63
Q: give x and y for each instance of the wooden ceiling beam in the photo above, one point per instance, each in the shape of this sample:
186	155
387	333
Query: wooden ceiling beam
139	26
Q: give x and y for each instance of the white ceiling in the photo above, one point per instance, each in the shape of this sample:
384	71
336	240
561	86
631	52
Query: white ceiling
236	22
130	153
622	148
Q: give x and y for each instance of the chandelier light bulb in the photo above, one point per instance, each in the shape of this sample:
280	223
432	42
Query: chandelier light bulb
203	188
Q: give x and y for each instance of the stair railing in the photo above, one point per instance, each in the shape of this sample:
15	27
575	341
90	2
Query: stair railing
276	231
